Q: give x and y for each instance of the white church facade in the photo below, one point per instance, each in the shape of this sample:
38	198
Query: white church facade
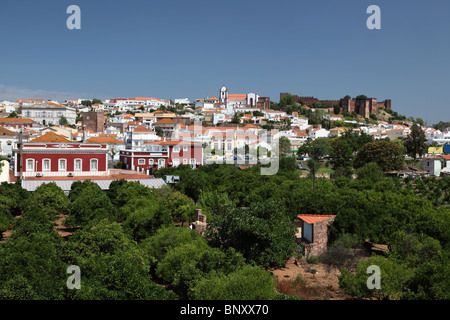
230	102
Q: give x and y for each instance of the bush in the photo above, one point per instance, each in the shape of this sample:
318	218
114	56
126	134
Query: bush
247	283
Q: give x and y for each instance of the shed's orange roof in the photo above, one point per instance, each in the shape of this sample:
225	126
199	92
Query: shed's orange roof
312	218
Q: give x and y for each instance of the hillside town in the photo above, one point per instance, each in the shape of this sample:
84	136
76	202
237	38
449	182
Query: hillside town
80	138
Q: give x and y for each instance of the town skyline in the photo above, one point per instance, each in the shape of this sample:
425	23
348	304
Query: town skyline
175	50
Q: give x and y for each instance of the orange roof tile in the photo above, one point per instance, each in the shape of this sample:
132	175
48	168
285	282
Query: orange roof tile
165	121
237	97
174	142
104	140
312	218
15	120
142	128
6	132
50	137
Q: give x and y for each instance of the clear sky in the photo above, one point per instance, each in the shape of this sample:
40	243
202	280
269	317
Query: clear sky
177	48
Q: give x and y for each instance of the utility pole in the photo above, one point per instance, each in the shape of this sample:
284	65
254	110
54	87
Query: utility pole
20	156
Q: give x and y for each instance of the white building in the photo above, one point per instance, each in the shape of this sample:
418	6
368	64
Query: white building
49	113
318	133
182	101
231	102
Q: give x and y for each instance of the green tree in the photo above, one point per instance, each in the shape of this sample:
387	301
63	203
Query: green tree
263	232
284	145
341	154
30	261
113	266
50	199
63	121
159	131
370	172
415	143
361	97
91	203
247	283
144	217
388	155
394	277
86	103
286	100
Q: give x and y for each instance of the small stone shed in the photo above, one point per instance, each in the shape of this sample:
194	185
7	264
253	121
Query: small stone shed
313	232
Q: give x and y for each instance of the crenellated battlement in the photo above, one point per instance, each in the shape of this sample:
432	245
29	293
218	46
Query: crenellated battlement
363	107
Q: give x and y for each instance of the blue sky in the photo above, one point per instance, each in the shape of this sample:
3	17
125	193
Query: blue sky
176	48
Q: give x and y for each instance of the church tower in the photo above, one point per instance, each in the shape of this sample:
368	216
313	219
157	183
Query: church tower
223	97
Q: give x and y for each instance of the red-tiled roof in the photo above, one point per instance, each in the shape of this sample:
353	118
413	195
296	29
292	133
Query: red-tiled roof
104	140
237	96
6	132
50	137
312	218
165	121
174	142
142	128
15	120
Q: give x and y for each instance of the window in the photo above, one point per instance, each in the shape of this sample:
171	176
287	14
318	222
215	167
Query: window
185	161
141	162
193	163
150	162
176	149
46	165
30	165
185	148
62	165
176	162
77	165
94	165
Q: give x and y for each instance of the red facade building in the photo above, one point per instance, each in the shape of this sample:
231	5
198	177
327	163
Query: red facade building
162	154
54	156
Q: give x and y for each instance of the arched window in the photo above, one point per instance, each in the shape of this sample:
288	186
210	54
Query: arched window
94	165
30	164
46	165
62	164
78	165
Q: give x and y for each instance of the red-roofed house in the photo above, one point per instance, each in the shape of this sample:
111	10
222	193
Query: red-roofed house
136	137
52	155
437	165
162	154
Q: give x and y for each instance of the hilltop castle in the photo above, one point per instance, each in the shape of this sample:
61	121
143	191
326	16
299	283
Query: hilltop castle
363	107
